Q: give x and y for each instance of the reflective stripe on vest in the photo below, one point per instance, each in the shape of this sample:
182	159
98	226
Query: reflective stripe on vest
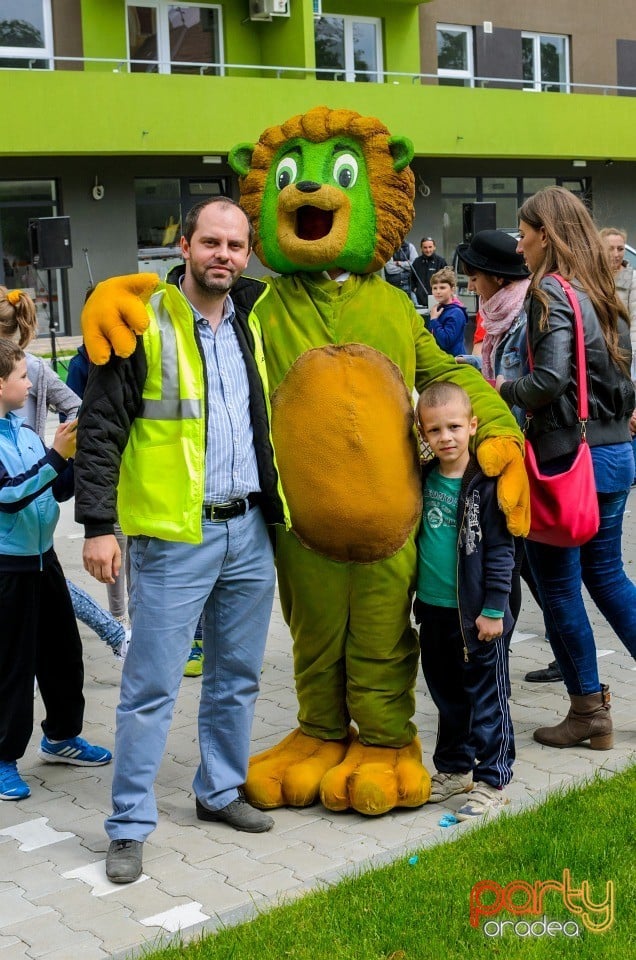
171	406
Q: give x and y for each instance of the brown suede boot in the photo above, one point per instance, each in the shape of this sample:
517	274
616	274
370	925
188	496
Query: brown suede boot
588	719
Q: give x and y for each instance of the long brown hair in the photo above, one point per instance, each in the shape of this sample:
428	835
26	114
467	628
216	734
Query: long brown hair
575	250
18	319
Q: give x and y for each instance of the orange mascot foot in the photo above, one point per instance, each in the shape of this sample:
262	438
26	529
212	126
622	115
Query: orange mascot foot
373	780
289	774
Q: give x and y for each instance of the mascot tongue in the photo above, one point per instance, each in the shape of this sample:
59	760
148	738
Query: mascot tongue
313	223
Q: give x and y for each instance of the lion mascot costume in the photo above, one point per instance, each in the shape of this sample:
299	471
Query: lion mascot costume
330	194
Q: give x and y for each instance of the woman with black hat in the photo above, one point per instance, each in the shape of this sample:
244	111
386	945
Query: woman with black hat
499	276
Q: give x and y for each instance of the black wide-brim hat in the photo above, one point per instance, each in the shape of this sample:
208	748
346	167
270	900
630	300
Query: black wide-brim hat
494	252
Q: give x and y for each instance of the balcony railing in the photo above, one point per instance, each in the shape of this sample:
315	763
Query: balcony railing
327	73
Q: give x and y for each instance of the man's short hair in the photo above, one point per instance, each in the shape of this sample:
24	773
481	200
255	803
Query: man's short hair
445	275
427	240
10	355
193	214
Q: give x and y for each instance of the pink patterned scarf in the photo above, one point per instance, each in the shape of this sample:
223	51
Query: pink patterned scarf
497	314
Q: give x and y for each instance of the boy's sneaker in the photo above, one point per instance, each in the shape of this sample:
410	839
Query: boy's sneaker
121	651
445	785
194	666
483	800
12	786
75	751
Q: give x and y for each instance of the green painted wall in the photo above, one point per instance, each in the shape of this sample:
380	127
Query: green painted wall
286	41
104	31
151	114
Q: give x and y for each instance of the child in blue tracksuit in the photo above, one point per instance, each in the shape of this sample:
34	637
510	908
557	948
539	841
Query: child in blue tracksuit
465	563
38	634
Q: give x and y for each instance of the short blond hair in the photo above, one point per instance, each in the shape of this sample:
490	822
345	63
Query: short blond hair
441	393
445	275
613	231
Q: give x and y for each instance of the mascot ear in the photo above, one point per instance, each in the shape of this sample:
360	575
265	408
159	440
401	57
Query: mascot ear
402	151
240	158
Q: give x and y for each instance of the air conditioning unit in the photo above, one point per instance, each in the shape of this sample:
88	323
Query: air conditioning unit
266	9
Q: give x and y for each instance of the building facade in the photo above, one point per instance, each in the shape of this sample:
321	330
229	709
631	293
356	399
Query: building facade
119	115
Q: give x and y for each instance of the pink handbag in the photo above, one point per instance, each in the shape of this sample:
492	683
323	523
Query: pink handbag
564	508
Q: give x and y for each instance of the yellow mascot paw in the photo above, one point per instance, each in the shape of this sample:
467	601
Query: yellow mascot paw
502	457
115	313
290	773
374	780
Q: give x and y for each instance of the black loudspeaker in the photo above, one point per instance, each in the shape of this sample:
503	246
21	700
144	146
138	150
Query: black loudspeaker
50	242
476	217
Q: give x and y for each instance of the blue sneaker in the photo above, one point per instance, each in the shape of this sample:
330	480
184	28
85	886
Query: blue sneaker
75	751
12	786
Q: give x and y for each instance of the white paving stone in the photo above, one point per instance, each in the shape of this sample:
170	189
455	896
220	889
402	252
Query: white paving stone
94	875
33	834
179	918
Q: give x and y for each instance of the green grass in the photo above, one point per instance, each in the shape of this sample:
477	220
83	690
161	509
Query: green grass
417	911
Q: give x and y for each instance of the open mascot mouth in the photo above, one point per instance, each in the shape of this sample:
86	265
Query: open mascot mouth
313	223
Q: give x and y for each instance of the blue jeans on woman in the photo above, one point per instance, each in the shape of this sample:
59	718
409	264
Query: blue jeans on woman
598	564
101	621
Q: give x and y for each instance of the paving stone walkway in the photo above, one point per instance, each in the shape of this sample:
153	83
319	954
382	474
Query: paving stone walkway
55	900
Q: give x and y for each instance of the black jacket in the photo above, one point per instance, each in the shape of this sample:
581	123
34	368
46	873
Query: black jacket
423	269
549	392
485	552
112	399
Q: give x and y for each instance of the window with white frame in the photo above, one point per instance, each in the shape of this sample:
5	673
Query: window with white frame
168	37
546	62
455	61
26	34
349	48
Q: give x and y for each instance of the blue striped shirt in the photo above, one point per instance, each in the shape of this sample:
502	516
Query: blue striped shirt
231	470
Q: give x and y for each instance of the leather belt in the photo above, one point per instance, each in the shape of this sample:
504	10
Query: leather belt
220	512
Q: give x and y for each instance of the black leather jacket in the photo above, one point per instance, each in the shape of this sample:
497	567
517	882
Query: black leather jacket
549	392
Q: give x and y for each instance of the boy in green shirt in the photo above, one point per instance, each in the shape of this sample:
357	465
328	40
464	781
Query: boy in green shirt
465	562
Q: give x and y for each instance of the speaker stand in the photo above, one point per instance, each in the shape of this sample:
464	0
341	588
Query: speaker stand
49	275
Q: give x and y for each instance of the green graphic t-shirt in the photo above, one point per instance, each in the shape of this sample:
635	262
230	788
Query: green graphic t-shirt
437	542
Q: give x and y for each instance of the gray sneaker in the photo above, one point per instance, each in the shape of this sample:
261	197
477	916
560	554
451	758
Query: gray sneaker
445	785
238	814
483	800
124	861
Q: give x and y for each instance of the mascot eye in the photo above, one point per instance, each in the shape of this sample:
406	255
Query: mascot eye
286	172
345	170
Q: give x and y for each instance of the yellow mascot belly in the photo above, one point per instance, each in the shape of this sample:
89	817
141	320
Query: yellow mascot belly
342	425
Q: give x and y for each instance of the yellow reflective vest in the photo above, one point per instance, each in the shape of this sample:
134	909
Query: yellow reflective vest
162	475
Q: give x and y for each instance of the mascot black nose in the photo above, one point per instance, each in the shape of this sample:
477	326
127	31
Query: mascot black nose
308	186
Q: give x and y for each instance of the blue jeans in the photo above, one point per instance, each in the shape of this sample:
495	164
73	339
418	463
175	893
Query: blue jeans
101	621
230	576
560	572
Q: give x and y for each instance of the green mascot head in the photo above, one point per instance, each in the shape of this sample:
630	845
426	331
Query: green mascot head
328	188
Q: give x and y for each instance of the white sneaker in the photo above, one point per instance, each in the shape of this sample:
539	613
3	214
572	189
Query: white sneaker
445	785
122	650
483	800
